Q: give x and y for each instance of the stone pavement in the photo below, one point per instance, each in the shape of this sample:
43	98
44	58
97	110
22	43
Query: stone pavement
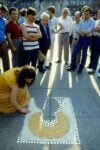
82	90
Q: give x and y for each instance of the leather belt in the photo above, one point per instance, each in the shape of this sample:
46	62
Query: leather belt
64	32
75	38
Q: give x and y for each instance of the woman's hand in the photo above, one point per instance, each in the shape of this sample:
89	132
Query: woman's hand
24	110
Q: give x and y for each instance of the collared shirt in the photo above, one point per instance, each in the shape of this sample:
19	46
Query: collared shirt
21	20
75	28
45	29
53	22
2	30
67	24
87	25
97	24
14	29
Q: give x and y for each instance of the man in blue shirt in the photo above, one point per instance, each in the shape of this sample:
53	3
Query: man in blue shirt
22	17
3	43
85	32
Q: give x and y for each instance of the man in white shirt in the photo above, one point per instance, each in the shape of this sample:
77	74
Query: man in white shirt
63	37
75	35
55	26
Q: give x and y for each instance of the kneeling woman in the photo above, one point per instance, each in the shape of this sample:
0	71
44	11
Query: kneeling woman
14	93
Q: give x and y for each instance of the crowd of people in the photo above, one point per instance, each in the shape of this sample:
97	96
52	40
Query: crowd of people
28	37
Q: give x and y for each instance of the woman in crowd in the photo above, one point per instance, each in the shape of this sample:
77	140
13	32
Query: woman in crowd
14	93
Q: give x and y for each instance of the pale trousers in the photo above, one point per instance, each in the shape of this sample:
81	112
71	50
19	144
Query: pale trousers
63	44
51	49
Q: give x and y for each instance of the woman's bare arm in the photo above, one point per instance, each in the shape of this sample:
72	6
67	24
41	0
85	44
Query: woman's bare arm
13	99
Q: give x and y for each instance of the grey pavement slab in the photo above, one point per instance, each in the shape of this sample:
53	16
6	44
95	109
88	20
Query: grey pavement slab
87	104
85	100
89	132
83	91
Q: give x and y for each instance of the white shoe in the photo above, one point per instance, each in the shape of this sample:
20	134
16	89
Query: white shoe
98	74
90	71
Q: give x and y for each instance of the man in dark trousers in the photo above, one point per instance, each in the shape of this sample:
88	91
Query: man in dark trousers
45	41
3	42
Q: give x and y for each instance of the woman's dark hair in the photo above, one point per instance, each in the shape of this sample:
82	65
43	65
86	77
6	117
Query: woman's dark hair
26	72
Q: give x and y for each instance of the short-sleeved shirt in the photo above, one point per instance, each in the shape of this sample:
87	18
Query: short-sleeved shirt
2	29
97	24
14	29
52	25
67	24
30	45
87	25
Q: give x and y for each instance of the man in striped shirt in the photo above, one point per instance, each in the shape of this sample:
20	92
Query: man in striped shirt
31	34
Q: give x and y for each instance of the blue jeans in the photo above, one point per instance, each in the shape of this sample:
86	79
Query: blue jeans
82	45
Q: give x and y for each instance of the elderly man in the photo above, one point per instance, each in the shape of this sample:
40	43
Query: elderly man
45	40
64	34
75	35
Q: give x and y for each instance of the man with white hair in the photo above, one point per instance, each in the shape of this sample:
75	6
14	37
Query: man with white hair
44	41
64	34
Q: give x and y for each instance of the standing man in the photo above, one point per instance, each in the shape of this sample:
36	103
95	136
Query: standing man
31	34
85	32
64	35
75	35
3	42
14	36
45	40
55	26
22	16
95	46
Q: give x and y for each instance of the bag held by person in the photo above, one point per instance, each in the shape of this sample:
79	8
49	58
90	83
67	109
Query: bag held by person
41	56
